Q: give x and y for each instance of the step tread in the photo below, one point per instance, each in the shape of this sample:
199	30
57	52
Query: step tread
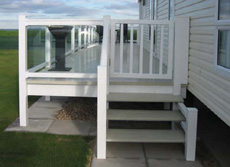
144	115
145	136
143	97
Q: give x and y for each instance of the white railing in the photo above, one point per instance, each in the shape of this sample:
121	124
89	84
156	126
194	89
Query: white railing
159	53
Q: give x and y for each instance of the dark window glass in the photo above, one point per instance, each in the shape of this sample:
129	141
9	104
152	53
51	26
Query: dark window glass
224	9
223	58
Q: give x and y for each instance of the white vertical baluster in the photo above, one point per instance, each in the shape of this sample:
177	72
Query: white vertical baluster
79	37
151	51
73	40
121	47
88	35
141	51
161	50
85	31
113	43
48	47
131	49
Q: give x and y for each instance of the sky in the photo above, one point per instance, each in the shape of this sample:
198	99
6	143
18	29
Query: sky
79	9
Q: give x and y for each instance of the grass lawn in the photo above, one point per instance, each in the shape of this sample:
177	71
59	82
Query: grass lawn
31	149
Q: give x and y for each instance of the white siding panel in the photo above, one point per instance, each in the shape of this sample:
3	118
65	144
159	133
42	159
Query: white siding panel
204	82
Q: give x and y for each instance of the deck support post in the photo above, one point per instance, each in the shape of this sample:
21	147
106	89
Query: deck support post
73	40
102	112
92	35
48	48
181	53
23	97
166	106
190	128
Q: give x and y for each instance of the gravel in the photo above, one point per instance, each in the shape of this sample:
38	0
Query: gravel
78	108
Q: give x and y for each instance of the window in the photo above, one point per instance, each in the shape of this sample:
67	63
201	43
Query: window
222	37
224	10
171	9
144	2
223	51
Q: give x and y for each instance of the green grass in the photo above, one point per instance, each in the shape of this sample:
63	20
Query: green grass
31	149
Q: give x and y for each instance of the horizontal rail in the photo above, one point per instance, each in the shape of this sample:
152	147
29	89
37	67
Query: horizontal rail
59	75
147	22
38	67
72	22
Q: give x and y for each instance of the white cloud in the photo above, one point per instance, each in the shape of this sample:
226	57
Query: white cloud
83	9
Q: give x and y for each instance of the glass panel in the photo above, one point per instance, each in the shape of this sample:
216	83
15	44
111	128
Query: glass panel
224	49
68	45
36	46
84	60
224	10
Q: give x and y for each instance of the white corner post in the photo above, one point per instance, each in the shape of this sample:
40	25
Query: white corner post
23	97
181	53
190	128
102	91
73	40
79	37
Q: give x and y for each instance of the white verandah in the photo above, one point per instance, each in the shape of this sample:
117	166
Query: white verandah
118	65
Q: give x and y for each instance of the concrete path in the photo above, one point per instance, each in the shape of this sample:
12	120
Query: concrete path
42	118
144	155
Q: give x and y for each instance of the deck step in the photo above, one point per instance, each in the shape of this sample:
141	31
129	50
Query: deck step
143	97
145	136
145	115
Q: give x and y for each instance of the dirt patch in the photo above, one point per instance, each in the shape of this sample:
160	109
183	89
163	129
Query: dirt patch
83	109
205	156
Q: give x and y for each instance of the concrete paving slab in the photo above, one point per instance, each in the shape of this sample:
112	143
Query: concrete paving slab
164	151
34	126
93	128
172	163
125	150
66	127
43	113
118	162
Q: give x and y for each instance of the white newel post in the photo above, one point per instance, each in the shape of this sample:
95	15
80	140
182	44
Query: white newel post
190	145
190	128
181	53
102	112
102	91
73	39
23	98
79	37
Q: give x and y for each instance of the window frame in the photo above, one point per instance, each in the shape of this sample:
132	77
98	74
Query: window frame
220	25
218	68
220	22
